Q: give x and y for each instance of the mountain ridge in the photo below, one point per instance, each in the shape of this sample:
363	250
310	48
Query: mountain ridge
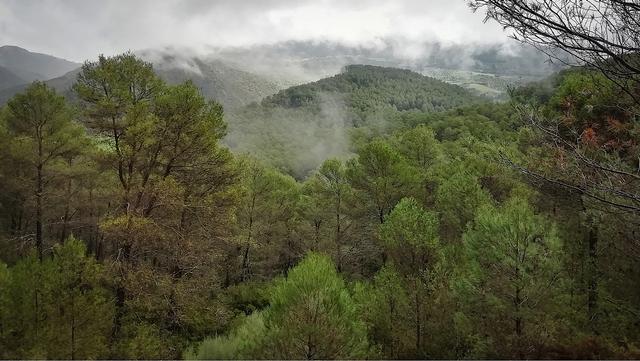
31	66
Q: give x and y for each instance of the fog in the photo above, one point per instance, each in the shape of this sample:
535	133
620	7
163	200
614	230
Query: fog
79	29
294	140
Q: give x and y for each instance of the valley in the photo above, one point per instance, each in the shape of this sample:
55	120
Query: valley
320	180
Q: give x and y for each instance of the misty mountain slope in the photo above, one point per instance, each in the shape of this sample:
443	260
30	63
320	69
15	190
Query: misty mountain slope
231	87
61	84
216	79
31	66
8	79
299	127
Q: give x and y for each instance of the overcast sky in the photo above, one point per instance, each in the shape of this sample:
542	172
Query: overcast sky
81	29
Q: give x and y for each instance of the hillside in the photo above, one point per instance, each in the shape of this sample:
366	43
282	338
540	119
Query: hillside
31	66
218	81
299	127
61	84
231	87
8	79
369	88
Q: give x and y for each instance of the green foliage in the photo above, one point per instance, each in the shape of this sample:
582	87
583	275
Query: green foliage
312	315
80	310
422	239
142	341
266	211
172	196
41	146
129	81
385	306
243	342
22	295
410	226
458	197
410	236
40	115
370	88
57	308
381	174
298	128
419	146
514	274
330	199
248	297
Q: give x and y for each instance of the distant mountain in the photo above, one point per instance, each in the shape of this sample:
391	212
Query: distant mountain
217	80
312	60
239	76
61	84
31	66
484	69
20	67
8	79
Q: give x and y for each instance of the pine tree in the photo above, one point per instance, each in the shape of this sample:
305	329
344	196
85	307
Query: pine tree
514	274
79	309
313	316
41	131
410	236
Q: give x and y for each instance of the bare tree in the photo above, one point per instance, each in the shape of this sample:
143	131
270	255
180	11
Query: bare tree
603	36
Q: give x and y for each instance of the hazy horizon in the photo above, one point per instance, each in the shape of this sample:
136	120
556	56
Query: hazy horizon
79	30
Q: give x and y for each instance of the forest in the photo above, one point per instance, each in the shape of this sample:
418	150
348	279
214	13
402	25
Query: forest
375	214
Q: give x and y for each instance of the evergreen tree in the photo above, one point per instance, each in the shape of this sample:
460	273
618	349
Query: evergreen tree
514	276
41	132
331	189
385	305
313	316
381	175
57	308
410	236
79	309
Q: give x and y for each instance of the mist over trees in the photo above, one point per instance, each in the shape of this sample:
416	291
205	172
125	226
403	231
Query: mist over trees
374	214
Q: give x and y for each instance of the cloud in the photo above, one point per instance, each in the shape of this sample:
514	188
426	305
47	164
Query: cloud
81	29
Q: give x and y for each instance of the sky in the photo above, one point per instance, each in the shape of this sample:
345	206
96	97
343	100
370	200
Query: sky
81	29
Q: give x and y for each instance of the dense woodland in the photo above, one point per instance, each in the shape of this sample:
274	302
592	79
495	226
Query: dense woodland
444	226
298	128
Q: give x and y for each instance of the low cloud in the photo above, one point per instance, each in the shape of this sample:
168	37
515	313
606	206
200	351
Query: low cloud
80	29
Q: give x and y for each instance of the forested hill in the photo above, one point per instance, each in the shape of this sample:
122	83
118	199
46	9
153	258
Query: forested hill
369	88
298	128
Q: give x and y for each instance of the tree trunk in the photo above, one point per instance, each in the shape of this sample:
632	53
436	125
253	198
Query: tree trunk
245	264
418	320
39	186
392	312
121	290
67	209
73	329
592	293
244	274
338	239
518	317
